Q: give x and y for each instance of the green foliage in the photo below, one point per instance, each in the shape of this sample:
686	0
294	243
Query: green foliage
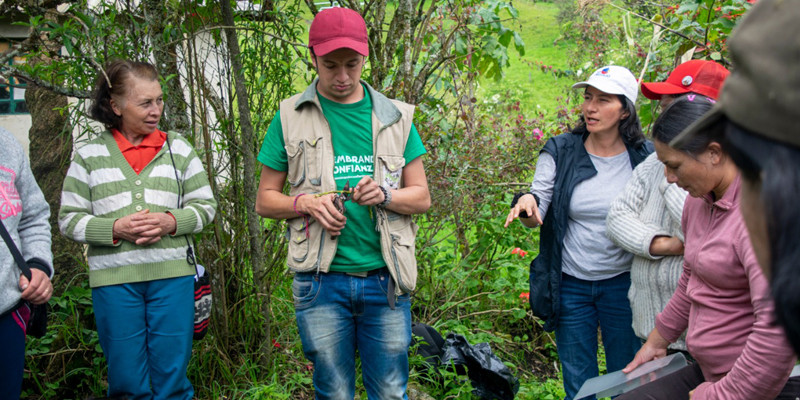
69	358
482	133
648	38
551	389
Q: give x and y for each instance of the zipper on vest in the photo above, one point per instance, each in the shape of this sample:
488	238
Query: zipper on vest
321	246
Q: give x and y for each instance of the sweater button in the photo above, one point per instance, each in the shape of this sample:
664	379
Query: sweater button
138	182
138	196
138	208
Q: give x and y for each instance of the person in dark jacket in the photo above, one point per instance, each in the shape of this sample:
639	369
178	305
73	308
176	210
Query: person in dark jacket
580	279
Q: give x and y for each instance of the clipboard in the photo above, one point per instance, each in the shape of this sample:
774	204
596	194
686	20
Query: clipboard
616	383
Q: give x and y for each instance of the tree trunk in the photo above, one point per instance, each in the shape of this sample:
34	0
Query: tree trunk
51	152
176	115
250	175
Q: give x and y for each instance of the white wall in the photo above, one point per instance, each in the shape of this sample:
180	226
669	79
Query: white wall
18	125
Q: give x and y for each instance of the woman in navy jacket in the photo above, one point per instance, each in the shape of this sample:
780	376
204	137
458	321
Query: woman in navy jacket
580	279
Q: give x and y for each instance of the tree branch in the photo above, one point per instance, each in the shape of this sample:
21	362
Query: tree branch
668	29
220	27
12	71
92	57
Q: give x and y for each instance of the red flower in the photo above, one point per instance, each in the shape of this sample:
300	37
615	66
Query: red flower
525	295
276	344
516	250
523	253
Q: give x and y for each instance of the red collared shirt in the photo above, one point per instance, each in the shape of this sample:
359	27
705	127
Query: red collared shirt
139	156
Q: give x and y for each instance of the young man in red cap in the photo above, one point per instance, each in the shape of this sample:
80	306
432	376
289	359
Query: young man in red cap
352	160
696	76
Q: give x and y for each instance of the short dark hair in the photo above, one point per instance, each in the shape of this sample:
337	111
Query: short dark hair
678	116
775	168
630	129
116	86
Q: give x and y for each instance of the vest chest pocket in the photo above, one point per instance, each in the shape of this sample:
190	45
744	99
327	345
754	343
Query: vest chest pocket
305	161
314	149
390	171
295	155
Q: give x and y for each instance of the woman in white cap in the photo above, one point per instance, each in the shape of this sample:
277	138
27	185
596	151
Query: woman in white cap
580	279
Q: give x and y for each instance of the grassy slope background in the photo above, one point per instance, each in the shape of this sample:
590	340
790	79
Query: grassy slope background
534	88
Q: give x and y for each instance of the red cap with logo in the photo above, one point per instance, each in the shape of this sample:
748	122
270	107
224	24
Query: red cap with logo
336	28
697	76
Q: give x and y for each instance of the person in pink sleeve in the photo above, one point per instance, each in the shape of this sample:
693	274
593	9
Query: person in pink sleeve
723	298
758	109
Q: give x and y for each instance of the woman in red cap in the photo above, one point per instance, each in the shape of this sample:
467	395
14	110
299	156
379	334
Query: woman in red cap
692	77
722	301
645	219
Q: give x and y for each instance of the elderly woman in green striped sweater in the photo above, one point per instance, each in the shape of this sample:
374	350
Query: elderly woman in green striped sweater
135	195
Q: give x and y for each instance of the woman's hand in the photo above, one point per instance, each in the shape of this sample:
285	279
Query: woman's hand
655	347
143	228
666	246
154	226
367	192
38	290
528	204
324	211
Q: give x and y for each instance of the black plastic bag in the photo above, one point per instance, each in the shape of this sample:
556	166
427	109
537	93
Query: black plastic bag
431	345
491	379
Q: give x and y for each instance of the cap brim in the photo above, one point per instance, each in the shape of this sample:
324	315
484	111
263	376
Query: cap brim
610	88
324	48
654	90
710	120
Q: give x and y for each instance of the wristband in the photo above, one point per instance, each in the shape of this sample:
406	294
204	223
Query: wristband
305	216
295	205
387	197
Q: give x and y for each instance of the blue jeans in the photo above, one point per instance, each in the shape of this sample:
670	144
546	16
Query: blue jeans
338	314
585	305
145	329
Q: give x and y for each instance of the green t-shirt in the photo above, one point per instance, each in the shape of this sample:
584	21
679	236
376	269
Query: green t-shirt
351	130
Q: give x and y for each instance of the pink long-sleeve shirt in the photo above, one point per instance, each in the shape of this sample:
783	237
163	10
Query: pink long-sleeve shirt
723	298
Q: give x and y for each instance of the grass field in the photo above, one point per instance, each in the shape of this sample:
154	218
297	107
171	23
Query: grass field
533	88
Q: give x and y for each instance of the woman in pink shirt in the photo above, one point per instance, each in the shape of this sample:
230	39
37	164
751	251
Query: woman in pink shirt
722	297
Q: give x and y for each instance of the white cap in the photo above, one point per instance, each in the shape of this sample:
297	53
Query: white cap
613	79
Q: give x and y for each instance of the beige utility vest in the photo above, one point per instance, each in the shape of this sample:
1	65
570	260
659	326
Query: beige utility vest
309	150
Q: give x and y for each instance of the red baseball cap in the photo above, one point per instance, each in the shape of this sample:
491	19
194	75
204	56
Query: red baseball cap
336	28
697	76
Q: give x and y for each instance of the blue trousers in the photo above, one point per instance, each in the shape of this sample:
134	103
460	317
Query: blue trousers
12	361
585	305
146	330
338	314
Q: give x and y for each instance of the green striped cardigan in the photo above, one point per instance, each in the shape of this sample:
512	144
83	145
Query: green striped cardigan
101	187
